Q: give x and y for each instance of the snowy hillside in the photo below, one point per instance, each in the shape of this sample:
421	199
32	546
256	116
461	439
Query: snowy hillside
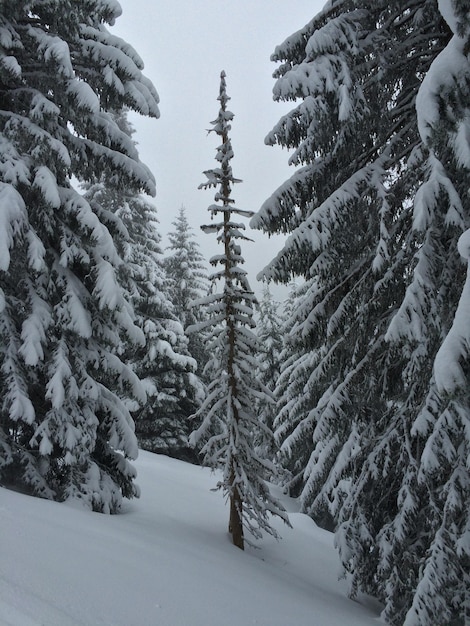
165	561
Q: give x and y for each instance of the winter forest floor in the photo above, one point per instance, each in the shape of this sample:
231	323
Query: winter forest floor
165	561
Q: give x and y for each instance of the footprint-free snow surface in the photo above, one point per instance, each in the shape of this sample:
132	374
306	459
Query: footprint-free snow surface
166	560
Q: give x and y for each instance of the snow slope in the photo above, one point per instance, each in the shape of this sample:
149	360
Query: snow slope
165	561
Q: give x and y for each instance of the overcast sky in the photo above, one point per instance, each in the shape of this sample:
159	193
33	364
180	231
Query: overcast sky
184	45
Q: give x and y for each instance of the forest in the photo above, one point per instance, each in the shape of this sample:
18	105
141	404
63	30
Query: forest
352	396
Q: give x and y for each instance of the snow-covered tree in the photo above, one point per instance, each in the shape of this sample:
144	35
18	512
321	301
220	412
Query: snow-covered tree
269	335
187	279
268	331
442	594
444	587
418	464
348	209
374	212
163	364
228	417
65	431
293	433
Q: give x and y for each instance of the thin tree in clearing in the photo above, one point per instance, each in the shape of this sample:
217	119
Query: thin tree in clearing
229	423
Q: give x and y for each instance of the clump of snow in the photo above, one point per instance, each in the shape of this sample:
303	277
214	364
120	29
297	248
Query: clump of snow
165	560
42	107
34	331
12	217
113	8
46	182
461	143
11	65
463	245
427	197
54	49
107	288
447	69
57	387
453	352
84	96
448	13
36	251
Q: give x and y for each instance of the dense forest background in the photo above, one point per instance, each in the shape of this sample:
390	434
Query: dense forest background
353	395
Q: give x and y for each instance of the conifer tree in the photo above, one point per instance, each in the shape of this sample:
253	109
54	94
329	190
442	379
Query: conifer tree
163	364
416	467
187	281
228	418
293	429
65	431
443	112
270	337
348	218
268	331
374	212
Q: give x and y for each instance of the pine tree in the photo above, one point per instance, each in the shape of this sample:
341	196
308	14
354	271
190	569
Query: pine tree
293	429
442	594
163	365
228	418
268	331
349	217
415	467
444	587
375	211
188	281
65	431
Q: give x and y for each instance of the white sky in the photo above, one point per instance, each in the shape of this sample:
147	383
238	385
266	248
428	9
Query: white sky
185	45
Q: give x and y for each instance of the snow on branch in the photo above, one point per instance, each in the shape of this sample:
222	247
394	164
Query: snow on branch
447	69
13	218
428	195
455	349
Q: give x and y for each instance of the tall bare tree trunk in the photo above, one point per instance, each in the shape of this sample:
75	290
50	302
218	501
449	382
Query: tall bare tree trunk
235	525
236	502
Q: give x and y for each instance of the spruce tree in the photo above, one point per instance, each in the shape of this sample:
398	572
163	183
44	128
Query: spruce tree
270	340
349	213
65	431
416	467
374	212
293	429
227	413
443	113
268	330
187	281
163	364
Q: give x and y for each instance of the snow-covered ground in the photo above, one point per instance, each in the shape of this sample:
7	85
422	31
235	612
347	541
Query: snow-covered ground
165	561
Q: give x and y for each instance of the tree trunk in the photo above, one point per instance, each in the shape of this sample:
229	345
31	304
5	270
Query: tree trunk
235	526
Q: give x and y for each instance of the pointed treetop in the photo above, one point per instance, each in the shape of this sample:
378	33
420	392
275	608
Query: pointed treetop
222	176
223	98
